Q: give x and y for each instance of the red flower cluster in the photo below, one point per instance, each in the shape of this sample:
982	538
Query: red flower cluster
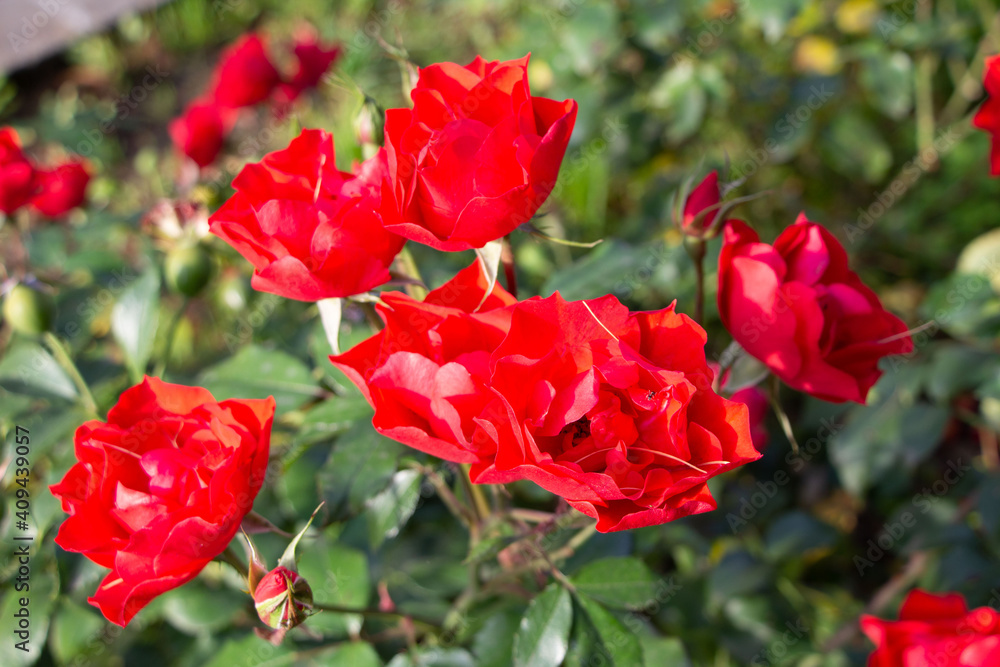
160	489
798	308
988	116
609	409
935	631
312	232
52	192
245	76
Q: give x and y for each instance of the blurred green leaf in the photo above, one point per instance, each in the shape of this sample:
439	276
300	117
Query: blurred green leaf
618	643
389	511
27	368
256	372
360	466
134	319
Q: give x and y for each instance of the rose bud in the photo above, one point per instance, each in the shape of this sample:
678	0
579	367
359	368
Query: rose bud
797	307
476	155
704	196
312	63
29	311
17	175
200	131
244	75
62	189
283	598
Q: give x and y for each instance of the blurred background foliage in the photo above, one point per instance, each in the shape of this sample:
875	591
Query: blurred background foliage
855	112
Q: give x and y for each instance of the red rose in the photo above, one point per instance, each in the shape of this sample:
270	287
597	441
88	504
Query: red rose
61	189
988	116
757	407
611	410
312	62
476	155
160	489
200	131
311	231
426	372
17	175
935	631
244	75
705	195
798	308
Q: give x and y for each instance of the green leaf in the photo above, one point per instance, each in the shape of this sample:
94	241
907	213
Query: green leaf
622	583
888	81
493	644
252	650
332	417
360	466
435	657
74	628
196	609
256	372
618	643
134	319
543	636
355	654
389	511
29	369
660	651
337	575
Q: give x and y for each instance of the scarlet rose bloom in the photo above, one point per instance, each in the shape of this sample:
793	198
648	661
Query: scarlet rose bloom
705	195
310	231
244	75
988	116
609	409
798	308
476	155
160	489
61	189
283	598
200	131
312	62
425	373
17	175
935	631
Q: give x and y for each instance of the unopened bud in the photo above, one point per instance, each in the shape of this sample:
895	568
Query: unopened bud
283	599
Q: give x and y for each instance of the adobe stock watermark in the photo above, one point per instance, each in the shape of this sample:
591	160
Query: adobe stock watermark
31	25
894	531
774	653
784	129
911	172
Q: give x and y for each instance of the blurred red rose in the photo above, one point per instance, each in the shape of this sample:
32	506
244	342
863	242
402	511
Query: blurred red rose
798	308
935	631
200	131
426	372
17	174
61	189
245	75
988	116
312	62
609	409
476	155
705	195
310	230
160	489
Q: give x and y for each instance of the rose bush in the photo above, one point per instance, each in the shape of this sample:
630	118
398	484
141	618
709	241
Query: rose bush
311	231
159	490
799	308
476	155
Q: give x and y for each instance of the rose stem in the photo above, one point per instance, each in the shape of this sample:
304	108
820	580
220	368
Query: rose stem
62	356
175	321
509	268
696	250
